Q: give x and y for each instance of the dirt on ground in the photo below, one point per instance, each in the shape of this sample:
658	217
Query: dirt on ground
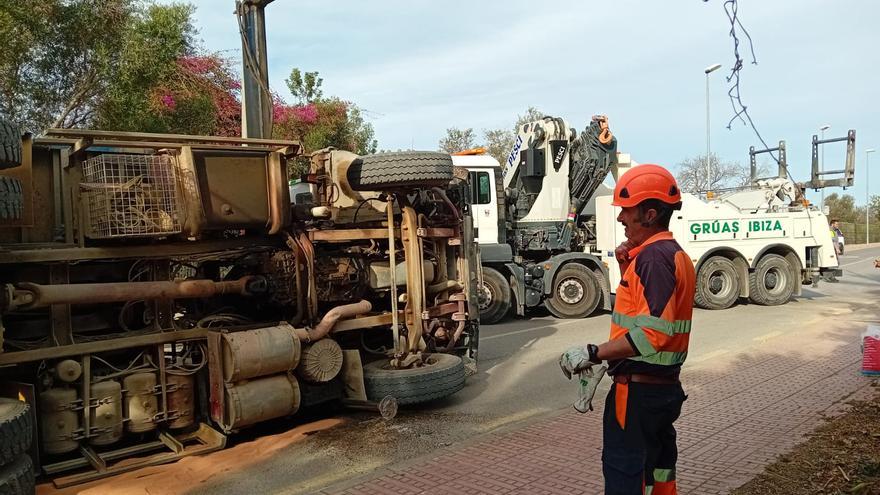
840	457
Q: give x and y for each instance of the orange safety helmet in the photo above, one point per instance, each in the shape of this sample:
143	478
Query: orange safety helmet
646	181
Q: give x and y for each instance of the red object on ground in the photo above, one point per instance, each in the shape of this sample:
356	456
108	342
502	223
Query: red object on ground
870	355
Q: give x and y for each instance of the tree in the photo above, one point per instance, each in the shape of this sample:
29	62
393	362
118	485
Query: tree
458	140
692	174
56	57
499	142
305	87
843	208
317	121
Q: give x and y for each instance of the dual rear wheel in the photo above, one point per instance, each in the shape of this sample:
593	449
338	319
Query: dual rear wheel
772	283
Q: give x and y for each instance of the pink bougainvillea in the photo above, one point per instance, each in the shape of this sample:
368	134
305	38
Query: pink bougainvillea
168	101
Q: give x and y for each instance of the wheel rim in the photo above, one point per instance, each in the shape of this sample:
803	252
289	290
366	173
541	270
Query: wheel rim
775	280
720	283
485	296
570	291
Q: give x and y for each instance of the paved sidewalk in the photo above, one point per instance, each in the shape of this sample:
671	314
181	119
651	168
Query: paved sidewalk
744	410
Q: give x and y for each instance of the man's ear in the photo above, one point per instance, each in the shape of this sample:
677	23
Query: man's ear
649	217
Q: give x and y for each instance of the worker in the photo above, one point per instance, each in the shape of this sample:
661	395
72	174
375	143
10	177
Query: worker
650	329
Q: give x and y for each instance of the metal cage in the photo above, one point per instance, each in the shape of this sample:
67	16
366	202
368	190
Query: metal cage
130	196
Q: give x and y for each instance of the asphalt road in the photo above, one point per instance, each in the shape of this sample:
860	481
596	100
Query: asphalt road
518	382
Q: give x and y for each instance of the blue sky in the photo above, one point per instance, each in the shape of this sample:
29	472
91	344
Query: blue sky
421	66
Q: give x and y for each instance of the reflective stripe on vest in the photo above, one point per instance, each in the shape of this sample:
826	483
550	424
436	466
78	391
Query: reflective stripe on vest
635	324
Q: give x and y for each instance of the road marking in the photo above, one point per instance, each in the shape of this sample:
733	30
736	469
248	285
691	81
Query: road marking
767	336
517	332
859	261
708	355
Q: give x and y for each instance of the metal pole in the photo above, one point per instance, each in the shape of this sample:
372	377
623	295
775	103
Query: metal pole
822	169
708	155
868	196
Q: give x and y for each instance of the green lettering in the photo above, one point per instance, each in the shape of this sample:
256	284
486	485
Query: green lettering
706	228
725	227
778	225
695	228
735	227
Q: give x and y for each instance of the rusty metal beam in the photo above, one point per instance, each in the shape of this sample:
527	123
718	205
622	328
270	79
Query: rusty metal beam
11	358
175	138
46	295
350	234
44	253
364	322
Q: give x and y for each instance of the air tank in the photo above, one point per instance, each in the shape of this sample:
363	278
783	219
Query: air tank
181	400
260	352
257	400
58	420
140	403
106	417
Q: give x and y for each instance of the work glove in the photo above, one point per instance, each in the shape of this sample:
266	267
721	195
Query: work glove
582	361
578	358
589	379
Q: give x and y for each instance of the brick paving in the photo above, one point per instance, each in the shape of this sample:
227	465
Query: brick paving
743	411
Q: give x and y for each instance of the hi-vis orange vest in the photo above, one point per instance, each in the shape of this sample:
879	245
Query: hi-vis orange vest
654	305
653	309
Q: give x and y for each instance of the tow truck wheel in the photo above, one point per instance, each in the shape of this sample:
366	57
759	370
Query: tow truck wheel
493	296
576	292
772	282
717	284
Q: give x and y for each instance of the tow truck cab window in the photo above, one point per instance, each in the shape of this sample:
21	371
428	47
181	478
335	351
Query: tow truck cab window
481	191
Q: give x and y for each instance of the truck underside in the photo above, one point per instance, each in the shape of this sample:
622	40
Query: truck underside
158	292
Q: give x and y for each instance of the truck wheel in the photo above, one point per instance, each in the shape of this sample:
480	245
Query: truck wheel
772	283
493	296
16	429
17	478
10	144
717	284
400	170
442	375
11	204
576	292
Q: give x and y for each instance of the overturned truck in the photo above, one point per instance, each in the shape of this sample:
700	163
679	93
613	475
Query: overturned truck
160	291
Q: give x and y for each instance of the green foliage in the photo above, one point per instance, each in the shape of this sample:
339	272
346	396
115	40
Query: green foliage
317	121
305	87
153	42
843	208
56	56
457	140
499	142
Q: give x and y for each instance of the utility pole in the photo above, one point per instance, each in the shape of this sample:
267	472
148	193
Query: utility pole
868	195
256	104
708	70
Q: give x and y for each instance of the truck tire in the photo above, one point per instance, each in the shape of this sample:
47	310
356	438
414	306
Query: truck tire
11	202
443	375
16	429
494	296
575	293
400	170
17	478
10	144
772	283
717	284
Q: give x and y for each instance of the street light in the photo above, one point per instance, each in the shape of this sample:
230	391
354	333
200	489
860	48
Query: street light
822	163
868	196
708	70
